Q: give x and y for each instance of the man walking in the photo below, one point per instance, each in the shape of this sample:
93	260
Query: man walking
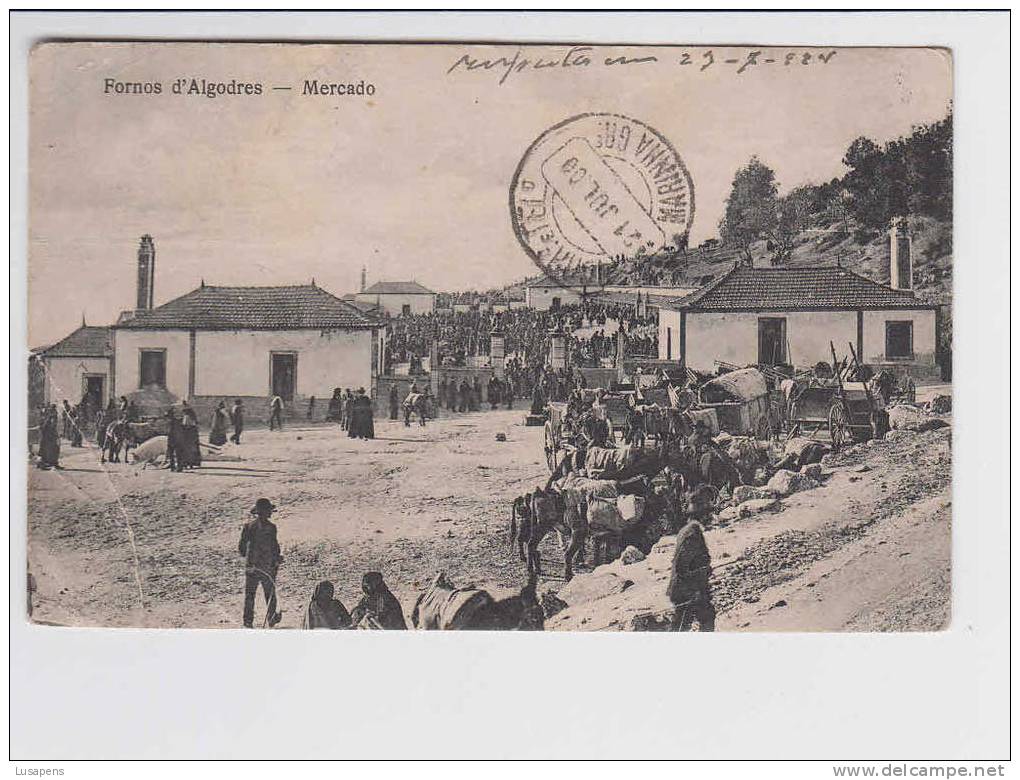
276	413
237	418
689	590
262	559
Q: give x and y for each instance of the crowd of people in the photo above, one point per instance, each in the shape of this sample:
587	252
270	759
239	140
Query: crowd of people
526	333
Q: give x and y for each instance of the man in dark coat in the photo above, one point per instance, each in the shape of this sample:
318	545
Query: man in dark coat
493	391
689	590
378	608
394	403
262	559
465	395
237	418
174	445
476	394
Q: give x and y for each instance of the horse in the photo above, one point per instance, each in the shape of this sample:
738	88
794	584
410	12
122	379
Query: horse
414	403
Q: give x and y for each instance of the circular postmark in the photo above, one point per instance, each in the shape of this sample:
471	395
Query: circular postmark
597	187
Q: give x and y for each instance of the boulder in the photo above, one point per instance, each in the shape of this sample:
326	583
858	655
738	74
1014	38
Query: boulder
812	470
650	621
784	483
743	493
905	416
756	506
552	604
729	514
631	554
584	588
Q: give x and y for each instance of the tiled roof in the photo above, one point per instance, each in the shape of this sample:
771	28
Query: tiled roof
87	341
831	287
398	288
253	308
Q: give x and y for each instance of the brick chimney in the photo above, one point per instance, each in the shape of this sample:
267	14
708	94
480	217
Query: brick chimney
146	273
901	264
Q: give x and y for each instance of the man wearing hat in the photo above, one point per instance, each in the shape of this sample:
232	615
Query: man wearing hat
262	558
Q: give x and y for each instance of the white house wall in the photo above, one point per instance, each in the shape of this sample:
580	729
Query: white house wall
542	297
733	336
669	335
238	362
924	334
64	377
128	345
393	304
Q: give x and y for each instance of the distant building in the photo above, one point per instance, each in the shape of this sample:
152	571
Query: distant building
789	315
399	298
547	293
77	367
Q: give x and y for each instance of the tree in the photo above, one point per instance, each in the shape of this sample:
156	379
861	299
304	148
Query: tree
792	215
751	208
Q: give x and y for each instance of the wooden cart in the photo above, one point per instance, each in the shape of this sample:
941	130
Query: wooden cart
845	407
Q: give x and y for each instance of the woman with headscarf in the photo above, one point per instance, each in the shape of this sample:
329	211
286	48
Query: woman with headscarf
189	453
218	428
324	611
378	608
49	439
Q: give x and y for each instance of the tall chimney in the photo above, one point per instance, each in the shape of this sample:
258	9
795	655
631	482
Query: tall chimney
363	278
146	272
901	264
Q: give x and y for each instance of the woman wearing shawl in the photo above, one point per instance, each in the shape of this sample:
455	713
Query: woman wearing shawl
189	453
378	608
49	439
324	611
218	429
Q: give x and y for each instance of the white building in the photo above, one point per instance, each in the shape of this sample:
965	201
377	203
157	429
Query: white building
77	367
547	293
221	343
399	298
789	315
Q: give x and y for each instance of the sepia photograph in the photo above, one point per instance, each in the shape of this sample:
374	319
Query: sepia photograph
504	337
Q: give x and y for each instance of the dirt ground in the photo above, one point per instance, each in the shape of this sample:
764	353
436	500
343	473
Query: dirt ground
119	545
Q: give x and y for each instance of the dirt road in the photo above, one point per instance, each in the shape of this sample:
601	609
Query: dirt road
410	503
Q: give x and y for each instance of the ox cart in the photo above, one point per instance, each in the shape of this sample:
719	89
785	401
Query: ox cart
743	403
842	405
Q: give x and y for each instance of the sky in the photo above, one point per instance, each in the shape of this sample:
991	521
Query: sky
410	182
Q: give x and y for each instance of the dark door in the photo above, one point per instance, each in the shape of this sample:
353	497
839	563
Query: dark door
771	341
556	302
94	392
284	375
153	368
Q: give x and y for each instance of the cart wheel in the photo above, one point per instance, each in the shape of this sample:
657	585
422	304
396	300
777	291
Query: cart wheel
839	426
764	430
550	447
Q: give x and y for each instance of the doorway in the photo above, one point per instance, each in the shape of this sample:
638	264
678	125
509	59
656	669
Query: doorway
283	367
92	392
771	341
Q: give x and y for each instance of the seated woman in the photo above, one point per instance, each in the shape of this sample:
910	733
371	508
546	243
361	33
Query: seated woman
324	611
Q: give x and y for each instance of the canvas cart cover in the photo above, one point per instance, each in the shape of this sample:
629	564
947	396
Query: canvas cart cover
745	384
444	607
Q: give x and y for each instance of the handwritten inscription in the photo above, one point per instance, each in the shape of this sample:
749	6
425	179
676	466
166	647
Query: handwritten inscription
585	57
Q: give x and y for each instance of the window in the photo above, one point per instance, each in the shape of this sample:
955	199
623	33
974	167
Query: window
152	368
899	340
405	310
556	302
